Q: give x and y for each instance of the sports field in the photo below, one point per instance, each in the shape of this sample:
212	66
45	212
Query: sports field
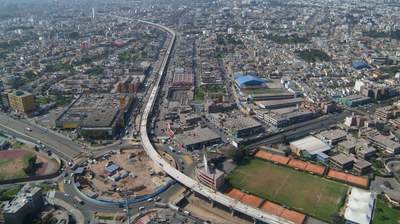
310	194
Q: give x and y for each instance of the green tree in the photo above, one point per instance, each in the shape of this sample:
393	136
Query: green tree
31	165
337	219
238	154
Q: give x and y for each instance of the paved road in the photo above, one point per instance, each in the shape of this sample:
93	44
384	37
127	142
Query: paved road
58	142
177	175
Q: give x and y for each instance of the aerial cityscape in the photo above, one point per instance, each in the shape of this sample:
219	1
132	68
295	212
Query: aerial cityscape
199	111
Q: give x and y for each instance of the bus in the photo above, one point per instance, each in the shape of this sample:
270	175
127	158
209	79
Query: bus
78	200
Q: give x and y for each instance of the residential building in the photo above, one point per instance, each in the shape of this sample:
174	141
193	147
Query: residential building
28	201
21	101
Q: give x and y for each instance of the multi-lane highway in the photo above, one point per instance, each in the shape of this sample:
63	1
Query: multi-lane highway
214	196
60	144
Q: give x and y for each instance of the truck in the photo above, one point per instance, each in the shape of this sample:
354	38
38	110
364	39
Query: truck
160	205
78	200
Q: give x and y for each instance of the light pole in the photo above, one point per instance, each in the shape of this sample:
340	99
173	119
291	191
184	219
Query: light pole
127	205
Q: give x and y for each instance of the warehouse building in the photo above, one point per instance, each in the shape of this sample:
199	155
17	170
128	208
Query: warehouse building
96	116
360	65
197	138
285	117
249	82
353	100
274	104
311	148
184	79
241	126
272	96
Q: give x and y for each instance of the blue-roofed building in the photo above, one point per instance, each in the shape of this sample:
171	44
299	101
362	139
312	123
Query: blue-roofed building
79	170
111	169
360	65
249	82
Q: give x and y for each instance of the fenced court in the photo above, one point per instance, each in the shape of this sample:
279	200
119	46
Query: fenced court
306	193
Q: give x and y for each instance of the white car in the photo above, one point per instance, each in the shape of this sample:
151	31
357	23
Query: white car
150	199
141	208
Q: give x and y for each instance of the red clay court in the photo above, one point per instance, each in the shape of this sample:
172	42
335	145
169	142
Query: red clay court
251	200
243	197
272	157
348	178
278	210
320	170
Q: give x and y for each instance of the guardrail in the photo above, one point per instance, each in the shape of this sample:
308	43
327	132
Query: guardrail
136	200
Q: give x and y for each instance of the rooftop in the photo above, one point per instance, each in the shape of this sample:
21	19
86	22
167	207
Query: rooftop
241	123
198	135
360	206
311	144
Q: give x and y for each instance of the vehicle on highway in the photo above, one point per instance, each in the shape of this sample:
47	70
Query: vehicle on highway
78	200
28	129
157	199
160	205
141	208
150	200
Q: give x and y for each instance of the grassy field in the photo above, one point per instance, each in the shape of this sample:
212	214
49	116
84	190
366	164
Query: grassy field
310	194
17	145
200	93
14	168
385	214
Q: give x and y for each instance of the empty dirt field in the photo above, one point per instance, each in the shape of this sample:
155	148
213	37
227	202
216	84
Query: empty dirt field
307	193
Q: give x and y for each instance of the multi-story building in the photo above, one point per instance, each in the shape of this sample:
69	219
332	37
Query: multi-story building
342	161
385	113
28	201
362	167
21	101
209	176
4	103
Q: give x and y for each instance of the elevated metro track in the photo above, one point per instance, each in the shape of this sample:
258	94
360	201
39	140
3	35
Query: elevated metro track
214	196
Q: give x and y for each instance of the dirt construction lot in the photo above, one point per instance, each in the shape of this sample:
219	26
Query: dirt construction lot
142	179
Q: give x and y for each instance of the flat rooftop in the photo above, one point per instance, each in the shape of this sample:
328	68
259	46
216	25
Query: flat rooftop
241	123
311	144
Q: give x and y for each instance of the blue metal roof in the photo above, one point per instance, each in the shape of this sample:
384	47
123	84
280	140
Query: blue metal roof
360	65
249	80
112	168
